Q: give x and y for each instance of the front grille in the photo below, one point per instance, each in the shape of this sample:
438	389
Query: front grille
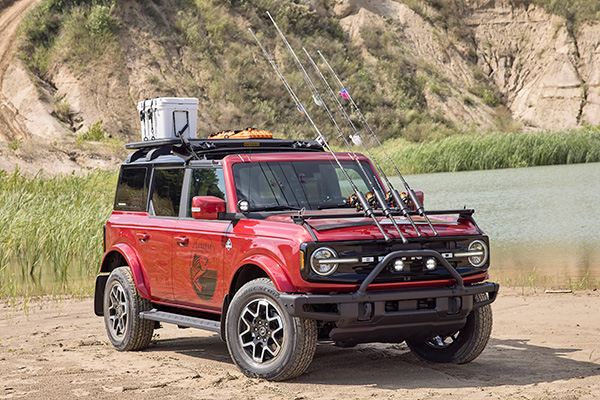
369	253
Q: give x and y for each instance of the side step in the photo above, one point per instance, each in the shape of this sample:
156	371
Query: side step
182	320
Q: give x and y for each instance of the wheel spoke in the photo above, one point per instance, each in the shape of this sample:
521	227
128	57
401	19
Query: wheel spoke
260	330
441	342
117	311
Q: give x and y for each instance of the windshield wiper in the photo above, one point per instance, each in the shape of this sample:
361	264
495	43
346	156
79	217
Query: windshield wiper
275	208
337	205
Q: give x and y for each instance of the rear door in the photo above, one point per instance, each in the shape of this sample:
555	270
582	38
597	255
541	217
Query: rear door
157	230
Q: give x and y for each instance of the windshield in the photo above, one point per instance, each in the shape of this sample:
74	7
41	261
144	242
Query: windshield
299	184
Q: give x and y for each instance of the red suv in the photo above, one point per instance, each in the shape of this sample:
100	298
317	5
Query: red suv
257	240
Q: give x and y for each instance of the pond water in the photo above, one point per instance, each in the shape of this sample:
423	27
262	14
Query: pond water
543	222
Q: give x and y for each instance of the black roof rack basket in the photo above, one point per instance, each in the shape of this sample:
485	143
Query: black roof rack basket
217	148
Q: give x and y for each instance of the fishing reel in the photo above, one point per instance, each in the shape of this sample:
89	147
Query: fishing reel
405	199
355	202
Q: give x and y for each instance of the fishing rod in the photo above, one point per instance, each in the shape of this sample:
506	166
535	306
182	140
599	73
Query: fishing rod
367	209
379	196
396	196
394	193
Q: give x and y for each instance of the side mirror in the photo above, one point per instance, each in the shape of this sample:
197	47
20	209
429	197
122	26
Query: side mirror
207	207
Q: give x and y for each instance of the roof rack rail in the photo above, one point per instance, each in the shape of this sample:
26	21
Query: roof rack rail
216	149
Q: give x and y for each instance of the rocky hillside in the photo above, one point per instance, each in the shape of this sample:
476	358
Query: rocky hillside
420	69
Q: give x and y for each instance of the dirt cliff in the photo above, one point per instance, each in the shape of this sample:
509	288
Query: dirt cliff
481	65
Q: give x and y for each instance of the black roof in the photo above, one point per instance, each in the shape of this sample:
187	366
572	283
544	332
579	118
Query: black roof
215	149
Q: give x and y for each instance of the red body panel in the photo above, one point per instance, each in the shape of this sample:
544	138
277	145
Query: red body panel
198	263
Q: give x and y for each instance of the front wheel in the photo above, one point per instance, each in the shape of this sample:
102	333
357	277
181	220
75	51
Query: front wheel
464	345
265	341
122	305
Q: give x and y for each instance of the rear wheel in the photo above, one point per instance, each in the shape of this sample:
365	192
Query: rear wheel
263	340
462	346
122	305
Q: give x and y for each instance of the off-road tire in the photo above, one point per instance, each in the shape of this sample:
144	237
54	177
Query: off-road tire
469	341
256	308
122	305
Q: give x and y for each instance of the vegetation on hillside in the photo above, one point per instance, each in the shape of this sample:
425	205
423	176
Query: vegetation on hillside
575	12
203	49
212	56
81	33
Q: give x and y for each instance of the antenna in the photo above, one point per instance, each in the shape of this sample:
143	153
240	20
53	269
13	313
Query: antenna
368	210
396	196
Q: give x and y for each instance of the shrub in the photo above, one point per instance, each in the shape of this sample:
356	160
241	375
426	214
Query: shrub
95	133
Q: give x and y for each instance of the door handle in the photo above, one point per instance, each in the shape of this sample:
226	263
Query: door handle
143	237
182	240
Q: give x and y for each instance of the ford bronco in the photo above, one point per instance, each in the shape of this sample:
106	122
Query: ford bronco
257	240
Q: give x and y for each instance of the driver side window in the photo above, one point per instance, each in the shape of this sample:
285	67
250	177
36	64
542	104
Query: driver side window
206	182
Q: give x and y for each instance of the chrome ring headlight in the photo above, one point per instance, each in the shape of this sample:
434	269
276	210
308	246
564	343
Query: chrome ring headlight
479	251
319	261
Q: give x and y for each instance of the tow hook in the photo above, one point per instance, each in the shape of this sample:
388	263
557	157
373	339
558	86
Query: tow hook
365	311
454	305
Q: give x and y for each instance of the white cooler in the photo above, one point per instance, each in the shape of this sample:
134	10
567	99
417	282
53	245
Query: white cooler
168	117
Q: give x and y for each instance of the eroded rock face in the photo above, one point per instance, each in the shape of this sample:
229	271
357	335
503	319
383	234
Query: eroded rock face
534	61
427	47
588	44
550	77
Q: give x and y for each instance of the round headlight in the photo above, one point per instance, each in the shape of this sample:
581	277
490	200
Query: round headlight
322	261
480	253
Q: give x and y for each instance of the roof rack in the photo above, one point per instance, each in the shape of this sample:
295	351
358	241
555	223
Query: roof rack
216	149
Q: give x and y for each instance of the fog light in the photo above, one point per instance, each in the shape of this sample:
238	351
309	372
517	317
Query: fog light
430	264
398	265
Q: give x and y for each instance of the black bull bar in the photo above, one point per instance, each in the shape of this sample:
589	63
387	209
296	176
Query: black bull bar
418	313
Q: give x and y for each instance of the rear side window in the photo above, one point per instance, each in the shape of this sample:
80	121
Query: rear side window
131	190
166	192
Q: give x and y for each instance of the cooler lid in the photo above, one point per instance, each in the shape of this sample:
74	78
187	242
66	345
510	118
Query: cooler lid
166	101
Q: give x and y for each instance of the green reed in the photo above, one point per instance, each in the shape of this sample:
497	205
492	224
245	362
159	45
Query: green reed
494	151
51	231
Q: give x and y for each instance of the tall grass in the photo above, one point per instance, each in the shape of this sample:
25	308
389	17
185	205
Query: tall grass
51	231
495	151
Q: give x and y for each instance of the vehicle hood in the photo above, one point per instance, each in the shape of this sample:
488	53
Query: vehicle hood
329	227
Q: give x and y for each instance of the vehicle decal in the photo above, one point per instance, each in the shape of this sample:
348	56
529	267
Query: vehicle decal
203	271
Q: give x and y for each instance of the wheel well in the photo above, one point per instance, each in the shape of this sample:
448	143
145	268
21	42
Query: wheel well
113	260
244	275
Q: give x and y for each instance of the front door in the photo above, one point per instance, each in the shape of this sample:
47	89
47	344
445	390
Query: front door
199	245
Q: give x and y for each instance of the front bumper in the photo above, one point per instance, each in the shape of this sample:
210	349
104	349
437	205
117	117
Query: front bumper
392	316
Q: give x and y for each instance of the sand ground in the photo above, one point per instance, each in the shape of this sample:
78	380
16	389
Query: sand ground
543	346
